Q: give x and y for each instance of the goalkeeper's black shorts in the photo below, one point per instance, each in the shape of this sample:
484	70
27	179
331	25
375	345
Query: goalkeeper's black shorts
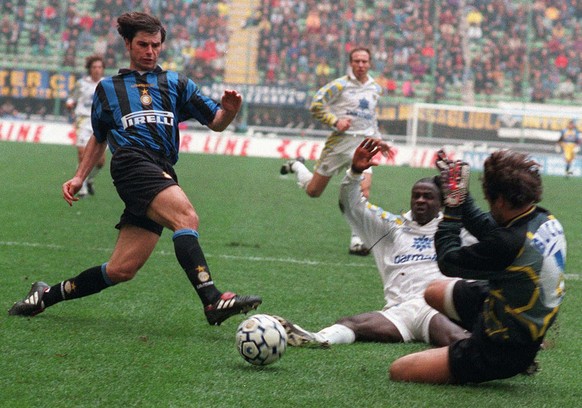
477	359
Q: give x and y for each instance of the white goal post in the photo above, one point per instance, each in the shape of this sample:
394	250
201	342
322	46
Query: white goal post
537	126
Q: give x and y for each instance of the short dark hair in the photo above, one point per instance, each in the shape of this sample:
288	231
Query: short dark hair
128	24
514	176
91	59
360	49
435	181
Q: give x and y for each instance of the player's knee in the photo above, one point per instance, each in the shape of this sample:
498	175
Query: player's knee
434	294
188	218
124	272
313	193
430	294
397	371
350	322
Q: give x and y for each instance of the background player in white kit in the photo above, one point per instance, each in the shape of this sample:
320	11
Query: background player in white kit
79	102
348	105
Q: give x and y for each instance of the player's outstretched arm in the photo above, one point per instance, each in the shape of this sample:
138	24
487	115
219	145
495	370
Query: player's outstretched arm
365	152
230	105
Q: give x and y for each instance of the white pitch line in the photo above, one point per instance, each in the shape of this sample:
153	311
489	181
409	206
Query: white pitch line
223	256
568	276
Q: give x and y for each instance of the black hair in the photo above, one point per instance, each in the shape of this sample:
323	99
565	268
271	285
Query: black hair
128	24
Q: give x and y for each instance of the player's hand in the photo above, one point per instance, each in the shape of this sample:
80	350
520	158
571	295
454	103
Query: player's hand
70	188
454	179
343	124
366	151
231	101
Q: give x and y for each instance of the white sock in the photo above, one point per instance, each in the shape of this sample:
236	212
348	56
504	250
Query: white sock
449	304
338	334
84	190
304	176
93	173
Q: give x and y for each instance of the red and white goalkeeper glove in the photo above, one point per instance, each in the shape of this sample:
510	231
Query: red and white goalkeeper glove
454	179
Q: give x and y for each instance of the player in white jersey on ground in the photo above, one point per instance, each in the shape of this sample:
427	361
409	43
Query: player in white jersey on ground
79	102
348	105
403	248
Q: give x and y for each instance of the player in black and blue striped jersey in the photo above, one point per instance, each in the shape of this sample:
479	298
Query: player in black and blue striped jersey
136	113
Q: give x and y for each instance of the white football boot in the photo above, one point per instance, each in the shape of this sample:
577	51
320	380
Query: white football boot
298	337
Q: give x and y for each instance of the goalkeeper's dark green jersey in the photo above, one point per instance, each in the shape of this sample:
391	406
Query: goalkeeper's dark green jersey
523	261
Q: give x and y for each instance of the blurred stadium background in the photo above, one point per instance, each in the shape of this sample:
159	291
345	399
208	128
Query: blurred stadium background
480	72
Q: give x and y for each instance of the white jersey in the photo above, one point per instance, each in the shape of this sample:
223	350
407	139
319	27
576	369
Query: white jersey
346	97
403	250
82	95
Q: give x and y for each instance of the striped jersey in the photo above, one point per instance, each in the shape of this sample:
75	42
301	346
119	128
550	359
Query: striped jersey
346	97
144	110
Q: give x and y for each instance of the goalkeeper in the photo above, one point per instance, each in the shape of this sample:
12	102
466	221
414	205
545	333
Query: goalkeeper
520	254
402	246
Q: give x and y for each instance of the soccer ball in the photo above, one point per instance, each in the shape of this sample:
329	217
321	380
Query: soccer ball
261	339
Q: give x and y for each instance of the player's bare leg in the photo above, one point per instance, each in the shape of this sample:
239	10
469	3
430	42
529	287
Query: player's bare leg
172	209
428	366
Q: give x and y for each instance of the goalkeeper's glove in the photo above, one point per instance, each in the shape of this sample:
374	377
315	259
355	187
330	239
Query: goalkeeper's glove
454	183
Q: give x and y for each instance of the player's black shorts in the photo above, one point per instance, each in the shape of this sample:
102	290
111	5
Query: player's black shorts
477	358
468	298
139	175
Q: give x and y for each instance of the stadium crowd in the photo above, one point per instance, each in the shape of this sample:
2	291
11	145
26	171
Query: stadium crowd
413	42
422	50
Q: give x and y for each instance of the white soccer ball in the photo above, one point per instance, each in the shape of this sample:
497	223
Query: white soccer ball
261	339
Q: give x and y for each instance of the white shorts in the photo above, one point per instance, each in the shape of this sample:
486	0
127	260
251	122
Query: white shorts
337	154
412	319
83	131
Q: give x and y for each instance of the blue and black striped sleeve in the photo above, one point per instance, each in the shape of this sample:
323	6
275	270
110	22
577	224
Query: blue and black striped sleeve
100	121
193	104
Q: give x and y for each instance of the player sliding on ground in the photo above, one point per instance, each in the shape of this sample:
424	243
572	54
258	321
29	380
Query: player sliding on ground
521	256
402	246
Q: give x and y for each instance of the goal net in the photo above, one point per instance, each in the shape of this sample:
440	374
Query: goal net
531	124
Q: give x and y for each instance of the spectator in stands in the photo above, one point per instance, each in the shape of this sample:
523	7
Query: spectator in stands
17	25
517	88
566	89
38	41
408	89
400	30
538	94
70	58
440	90
479	82
6	29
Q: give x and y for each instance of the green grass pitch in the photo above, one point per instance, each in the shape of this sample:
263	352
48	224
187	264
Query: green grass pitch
146	343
